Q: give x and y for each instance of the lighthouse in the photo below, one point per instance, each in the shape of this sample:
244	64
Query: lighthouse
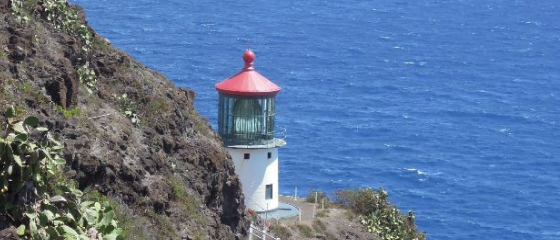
246	118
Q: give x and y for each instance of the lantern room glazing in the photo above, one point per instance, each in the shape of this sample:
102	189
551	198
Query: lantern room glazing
246	120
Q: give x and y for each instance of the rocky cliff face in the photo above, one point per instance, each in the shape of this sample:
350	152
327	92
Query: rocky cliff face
132	135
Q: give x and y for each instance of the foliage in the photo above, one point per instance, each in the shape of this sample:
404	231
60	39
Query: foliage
35	193
127	221
186	202
281	231
305	230
322	213
363	200
68	113
87	77
19	11
129	109
379	216
155	109
319	226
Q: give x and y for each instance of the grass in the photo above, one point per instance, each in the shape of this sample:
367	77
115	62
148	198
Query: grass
322	213
68	113
281	231
319	226
164	224
156	108
99	45
305	230
186	202
3	54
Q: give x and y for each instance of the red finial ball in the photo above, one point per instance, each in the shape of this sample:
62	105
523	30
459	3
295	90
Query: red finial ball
249	56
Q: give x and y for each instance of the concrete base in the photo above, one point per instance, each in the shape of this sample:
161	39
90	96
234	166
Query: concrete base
284	210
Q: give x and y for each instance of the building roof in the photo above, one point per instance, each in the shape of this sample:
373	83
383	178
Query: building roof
248	82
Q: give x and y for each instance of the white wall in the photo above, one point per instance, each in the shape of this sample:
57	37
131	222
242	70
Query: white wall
255	174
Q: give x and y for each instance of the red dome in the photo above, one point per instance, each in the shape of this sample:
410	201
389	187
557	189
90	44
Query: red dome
248	82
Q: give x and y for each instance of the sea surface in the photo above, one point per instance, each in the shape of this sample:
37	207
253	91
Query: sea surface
452	106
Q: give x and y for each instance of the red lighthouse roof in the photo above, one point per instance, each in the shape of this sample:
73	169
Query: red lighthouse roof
248	82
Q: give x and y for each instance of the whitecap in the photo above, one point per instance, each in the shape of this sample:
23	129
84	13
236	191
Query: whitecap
415	170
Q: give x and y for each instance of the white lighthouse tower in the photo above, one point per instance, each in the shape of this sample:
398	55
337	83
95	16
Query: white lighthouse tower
246	125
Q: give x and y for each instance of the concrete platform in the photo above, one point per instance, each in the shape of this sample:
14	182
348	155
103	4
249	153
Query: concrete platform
284	210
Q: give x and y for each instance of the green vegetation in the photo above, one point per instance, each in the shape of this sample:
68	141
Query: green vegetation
281	231
155	108
322	213
319	226
165	226
3	54
68	113
186	202
18	9
87	76
304	230
129	109
379	215
35	193
130	229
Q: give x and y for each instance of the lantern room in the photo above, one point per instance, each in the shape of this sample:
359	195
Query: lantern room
246	107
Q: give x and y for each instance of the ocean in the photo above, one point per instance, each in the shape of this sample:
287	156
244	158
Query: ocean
452	106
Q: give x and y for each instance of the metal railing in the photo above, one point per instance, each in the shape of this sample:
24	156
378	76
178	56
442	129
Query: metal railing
275	139
258	233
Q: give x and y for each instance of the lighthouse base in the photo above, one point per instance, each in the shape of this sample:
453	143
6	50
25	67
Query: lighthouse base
258	172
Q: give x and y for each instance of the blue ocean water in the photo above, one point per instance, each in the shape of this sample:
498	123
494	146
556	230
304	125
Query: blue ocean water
452	106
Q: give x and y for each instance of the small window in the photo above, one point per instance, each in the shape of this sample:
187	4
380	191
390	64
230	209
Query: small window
268	192
269	155
246	156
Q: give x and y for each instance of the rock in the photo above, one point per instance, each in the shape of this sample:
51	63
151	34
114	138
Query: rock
9	234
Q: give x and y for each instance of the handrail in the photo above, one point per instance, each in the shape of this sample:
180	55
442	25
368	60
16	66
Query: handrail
276	139
260	234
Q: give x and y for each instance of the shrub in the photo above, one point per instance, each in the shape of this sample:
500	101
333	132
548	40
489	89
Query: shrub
363	200
378	215
281	231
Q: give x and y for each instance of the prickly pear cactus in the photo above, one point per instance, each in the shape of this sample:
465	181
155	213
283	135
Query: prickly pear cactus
35	193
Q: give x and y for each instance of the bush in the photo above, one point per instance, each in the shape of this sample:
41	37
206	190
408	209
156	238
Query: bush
378	215
363	200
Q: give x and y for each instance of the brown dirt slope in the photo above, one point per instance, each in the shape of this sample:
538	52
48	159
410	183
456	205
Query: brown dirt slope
170	175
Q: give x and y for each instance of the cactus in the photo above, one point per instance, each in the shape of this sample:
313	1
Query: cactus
31	170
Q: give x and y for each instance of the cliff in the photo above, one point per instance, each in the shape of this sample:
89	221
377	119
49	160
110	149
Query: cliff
128	132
